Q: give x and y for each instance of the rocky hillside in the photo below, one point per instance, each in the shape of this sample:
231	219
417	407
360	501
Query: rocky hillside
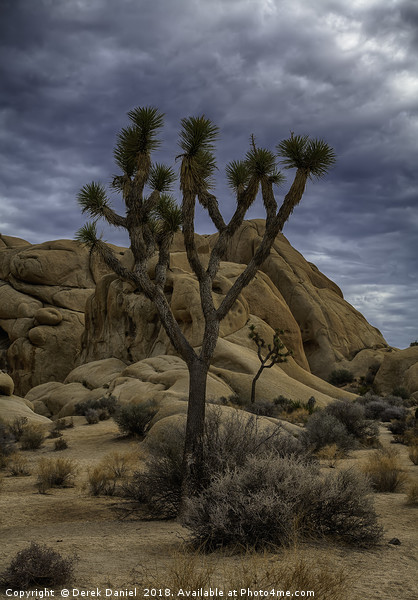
60	308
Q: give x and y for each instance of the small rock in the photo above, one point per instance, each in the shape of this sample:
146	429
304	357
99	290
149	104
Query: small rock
395	542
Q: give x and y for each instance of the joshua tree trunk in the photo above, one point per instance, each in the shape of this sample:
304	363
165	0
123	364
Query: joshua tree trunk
193	448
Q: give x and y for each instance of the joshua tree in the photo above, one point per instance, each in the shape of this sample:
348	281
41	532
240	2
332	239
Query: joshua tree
152	217
273	356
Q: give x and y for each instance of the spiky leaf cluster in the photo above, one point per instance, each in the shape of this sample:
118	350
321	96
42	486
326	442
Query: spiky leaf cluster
167	216
92	199
88	234
140	138
301	152
197	138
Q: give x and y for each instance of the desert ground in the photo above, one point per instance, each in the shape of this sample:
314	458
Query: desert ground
127	553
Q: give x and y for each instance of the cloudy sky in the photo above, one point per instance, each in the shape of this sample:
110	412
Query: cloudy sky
343	71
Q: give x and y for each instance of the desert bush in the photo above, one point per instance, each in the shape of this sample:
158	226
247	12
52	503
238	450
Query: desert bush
352	416
7	444
323	429
412	494
394	412
286	404
101	481
342	423
398	427
228	442
331	454
17	427
413	453
55	472
262	408
384	471
32	437
134	419
55	433
270	500
92	416
401	392
105	407
104	478
340	377
60	444
61	424
37	565
18	465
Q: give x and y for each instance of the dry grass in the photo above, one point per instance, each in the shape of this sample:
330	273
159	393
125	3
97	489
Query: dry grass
290	570
384	471
331	454
413	453
55	472
18	465
113	469
412	494
300	415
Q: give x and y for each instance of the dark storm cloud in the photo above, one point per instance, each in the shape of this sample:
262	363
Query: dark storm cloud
70	70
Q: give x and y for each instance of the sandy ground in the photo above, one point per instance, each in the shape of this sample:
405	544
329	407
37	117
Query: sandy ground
112	551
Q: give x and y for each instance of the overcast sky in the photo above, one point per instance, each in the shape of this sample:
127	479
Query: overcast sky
343	71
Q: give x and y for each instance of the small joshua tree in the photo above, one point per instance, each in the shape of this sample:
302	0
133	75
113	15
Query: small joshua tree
273	357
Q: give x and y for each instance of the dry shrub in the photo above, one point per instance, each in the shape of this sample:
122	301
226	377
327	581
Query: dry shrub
413	453
55	472
60	444
412	494
228	441
32	437
18	426
37	565
331	454
270	501
384	471
107	478
18	465
299	415
289	570
134	419
7	444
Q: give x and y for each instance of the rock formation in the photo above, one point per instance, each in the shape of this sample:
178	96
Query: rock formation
71	330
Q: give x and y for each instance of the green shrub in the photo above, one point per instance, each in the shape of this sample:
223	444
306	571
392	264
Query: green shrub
269	500
92	416
32	437
341	377
401	392
60	444
134	419
104	406
37	565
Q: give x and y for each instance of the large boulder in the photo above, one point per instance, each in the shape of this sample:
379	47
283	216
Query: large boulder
331	329
43	292
399	369
60	308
